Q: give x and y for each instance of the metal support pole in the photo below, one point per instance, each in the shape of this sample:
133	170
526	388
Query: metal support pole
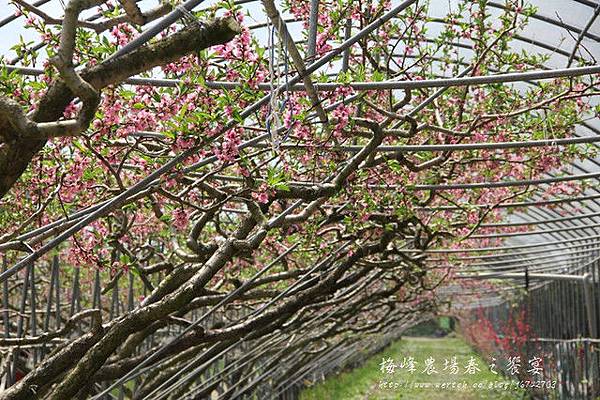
312	28
588	287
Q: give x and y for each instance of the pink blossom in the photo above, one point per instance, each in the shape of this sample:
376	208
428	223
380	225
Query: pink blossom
123	33
322	45
180	219
262	196
229	148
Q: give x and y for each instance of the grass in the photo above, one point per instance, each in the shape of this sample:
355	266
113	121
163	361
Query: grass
365	383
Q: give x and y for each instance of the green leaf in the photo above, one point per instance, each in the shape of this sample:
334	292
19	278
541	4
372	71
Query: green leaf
394	165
